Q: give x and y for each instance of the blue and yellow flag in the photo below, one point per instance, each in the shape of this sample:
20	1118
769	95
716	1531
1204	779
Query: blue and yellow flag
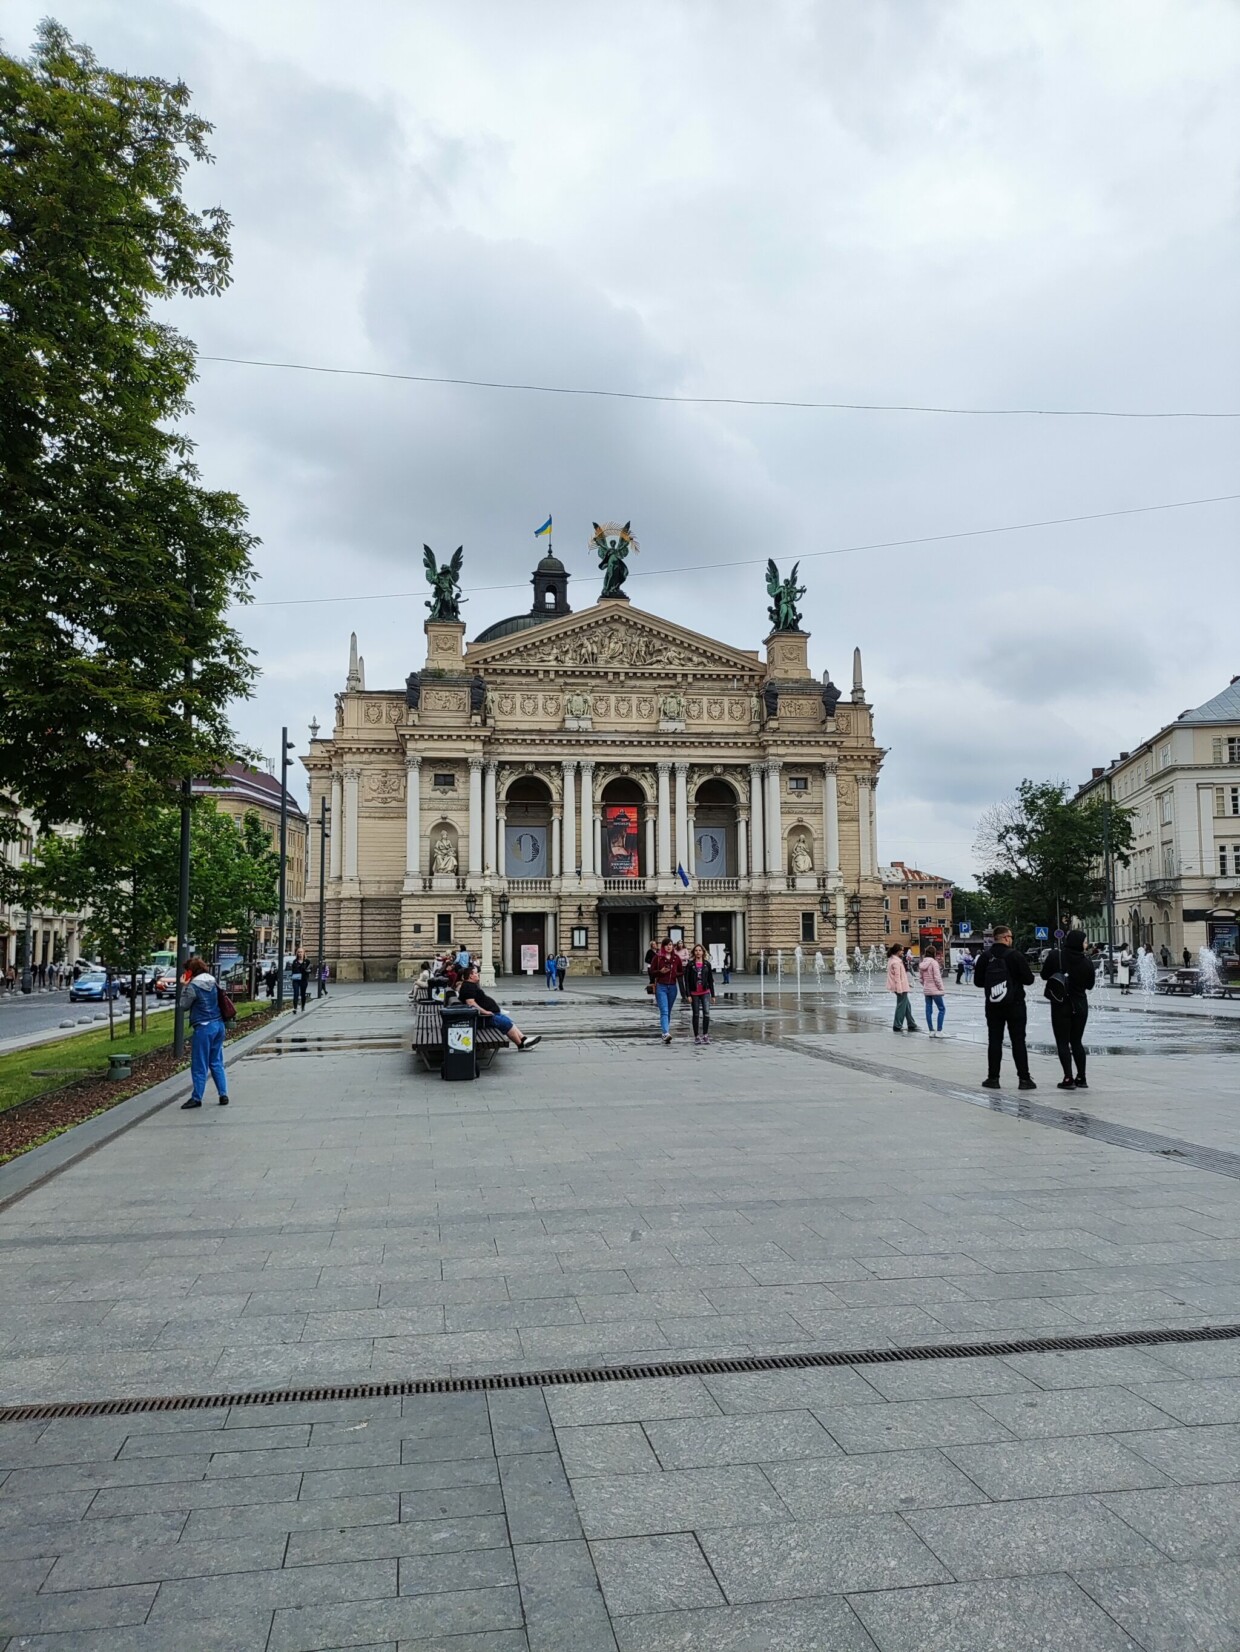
545	529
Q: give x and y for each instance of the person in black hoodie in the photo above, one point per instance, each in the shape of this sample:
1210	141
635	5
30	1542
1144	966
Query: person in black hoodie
1003	976
1069	975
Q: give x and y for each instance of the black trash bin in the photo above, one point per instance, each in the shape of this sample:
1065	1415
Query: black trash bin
460	1041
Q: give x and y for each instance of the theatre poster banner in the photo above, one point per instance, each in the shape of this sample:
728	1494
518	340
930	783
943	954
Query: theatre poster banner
621	840
710	849
525	852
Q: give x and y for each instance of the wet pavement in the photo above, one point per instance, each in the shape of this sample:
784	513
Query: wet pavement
809	1182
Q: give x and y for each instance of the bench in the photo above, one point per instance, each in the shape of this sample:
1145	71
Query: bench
428	1034
1179	981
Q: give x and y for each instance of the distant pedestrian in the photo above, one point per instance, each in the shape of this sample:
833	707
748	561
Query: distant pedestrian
931	981
561	969
699	983
270	980
1069	975
1188	958
1123	973
299	974
727	967
682	958
325	975
1003	975
550	972
1164	952
897	982
664	971
200	995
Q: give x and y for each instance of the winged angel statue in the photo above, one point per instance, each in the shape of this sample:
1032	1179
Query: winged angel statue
784	594
613	544
445	584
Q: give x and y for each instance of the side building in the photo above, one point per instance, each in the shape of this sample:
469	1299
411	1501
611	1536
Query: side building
240	791
56	937
570	768
1181	889
917	906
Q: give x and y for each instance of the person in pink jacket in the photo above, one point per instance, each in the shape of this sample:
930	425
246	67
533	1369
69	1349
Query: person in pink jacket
897	982
932	986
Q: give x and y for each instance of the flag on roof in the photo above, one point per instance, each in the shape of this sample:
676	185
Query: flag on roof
545	529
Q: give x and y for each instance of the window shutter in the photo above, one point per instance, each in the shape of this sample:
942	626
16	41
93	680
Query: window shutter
1218	748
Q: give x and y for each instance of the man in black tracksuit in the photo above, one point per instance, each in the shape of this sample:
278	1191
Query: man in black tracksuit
1069	976
1003	976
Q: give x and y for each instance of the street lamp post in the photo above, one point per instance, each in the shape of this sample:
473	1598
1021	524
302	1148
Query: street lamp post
854	907
486	921
27	972
322	889
286	745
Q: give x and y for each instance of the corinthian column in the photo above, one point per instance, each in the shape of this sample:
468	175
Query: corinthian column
757	821
490	835
413	815
774	819
682	816
665	821
352	778
587	820
831	817
569	830
865	838
475	816
337	825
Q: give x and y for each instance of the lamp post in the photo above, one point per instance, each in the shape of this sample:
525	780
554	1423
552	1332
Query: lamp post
27	953
286	745
486	921
854	907
323	835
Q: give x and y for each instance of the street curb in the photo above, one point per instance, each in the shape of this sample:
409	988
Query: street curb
30	1170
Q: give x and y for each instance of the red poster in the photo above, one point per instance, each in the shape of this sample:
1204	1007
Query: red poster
621	837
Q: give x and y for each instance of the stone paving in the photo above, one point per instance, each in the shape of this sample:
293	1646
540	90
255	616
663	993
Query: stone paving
599	1201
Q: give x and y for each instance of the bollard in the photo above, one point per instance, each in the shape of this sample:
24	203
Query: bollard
119	1067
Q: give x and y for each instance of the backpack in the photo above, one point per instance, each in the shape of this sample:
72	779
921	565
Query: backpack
1057	983
996	978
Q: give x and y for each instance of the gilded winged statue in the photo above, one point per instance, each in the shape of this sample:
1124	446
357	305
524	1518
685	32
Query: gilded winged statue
784	595
445	584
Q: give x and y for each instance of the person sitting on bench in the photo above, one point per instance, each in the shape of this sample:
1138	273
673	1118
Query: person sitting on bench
471	992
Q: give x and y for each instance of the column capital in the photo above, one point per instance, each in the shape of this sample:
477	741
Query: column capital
831	765
773	765
413	761
664	767
475	765
492	764
354	774
865	782
682	766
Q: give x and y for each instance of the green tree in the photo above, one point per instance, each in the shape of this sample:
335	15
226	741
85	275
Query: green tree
974	906
116	658
1043	854
234	875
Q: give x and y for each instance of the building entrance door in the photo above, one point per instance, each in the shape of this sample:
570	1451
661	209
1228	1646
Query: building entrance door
528	929
624	949
716	930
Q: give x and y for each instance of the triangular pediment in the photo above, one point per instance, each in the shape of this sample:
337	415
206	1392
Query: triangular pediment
613	636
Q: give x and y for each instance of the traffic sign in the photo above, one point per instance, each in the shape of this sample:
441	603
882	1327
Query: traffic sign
1060	933
965	929
1041	932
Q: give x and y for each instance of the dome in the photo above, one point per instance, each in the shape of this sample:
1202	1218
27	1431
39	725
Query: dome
516	622
550	565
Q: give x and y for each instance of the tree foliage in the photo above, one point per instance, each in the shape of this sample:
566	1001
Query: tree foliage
1043	853
116	658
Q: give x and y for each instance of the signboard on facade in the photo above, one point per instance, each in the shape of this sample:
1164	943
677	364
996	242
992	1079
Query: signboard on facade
710	847
621	840
529	960
525	852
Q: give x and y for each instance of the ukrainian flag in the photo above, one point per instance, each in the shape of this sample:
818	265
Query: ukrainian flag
545	529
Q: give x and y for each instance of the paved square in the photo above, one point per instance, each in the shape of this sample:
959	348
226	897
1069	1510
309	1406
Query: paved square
807	1183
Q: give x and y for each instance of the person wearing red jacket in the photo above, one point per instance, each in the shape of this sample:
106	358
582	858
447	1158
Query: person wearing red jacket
665	973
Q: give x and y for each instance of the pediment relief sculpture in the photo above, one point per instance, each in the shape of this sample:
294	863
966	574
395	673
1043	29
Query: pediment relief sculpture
616	642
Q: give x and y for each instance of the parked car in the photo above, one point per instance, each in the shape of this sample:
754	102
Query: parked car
165	983
93	987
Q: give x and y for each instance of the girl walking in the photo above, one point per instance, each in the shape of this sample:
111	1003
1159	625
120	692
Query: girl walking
931	977
698	983
897	982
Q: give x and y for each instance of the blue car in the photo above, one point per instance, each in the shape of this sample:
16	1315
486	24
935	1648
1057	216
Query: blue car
93	987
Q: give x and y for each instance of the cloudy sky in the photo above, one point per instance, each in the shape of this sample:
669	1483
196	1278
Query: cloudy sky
971	203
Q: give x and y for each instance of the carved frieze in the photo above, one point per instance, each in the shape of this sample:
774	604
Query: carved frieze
645	705
843	722
738	711
445	699
384	786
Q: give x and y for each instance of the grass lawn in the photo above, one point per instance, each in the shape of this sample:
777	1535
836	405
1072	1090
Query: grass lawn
42	1068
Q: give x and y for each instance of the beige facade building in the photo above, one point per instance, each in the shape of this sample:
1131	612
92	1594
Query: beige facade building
56	937
242	791
1182	887
564	766
916	905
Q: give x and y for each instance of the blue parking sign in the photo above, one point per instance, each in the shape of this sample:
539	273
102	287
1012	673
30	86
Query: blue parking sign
965	930
1041	932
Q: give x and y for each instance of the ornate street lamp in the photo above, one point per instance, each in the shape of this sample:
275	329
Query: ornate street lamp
854	906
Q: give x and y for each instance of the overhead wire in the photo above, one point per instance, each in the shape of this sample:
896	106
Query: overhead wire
722	401
805	556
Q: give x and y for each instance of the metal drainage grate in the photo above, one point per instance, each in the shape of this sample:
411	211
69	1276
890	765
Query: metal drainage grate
582	1375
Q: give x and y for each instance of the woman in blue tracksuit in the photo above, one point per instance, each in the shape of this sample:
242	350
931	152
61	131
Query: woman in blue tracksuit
200	995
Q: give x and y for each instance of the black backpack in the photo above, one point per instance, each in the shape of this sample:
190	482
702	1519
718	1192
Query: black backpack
996	978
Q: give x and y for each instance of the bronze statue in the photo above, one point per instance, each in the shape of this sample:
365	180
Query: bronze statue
445	584
784	594
613	544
